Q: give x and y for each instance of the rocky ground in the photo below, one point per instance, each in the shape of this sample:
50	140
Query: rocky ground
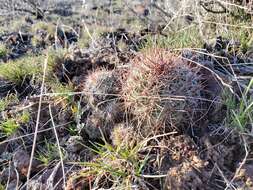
126	95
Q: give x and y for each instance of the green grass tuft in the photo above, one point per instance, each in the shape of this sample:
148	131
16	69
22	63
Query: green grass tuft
24	117
5	102
239	112
3	50
2	187
18	70
120	164
184	38
49	154
8	127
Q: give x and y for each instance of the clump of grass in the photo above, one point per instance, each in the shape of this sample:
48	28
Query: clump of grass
49	27
185	38
90	35
2	187
8	127
61	90
5	102
24	117
73	130
19	24
162	89
239	112
48	33
117	167
49	154
3	50
31	67
242	34
56	58
50	30
17	71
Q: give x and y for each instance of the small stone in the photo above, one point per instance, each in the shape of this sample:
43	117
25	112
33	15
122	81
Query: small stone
21	160
74	144
8	173
13	185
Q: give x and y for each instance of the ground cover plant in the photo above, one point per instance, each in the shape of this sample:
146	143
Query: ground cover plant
126	94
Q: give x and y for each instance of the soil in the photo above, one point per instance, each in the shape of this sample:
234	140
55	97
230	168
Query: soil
206	155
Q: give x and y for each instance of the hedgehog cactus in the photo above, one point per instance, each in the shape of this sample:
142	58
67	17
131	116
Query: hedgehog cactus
162	89
102	88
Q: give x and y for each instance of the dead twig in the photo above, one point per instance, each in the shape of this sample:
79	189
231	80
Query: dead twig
58	145
37	121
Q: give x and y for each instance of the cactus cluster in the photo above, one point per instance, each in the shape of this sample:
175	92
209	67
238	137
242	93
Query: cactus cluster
159	91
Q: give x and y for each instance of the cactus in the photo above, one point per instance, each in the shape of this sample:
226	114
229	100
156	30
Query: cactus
102	88
162	89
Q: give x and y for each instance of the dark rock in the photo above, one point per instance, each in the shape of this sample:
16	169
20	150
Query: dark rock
5	87
50	179
21	161
14	184
74	144
8	173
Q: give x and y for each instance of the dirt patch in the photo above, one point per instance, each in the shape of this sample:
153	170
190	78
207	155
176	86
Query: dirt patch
243	180
5	87
186	176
